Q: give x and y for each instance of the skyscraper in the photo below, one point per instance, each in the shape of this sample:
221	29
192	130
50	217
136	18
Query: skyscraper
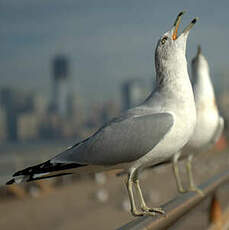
60	72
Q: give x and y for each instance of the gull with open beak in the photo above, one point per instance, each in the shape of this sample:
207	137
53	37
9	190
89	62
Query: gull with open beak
147	135
209	124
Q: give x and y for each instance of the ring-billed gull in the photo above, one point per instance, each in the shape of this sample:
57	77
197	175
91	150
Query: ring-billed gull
209	124
147	135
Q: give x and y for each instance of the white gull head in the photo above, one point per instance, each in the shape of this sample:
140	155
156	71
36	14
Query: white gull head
171	48
202	85
200	65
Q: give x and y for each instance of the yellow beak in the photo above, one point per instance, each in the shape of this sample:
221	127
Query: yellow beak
176	25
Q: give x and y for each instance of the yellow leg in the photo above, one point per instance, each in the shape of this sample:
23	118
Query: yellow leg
133	180
129	186
144	207
177	172
192	186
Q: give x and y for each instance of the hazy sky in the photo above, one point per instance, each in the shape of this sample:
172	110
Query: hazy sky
107	41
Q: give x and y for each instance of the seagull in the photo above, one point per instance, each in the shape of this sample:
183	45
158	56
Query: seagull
209	124
146	135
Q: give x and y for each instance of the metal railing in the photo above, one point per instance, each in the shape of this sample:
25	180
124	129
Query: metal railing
177	207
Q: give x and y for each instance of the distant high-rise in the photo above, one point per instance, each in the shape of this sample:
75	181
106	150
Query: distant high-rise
60	71
14	103
7	101
134	92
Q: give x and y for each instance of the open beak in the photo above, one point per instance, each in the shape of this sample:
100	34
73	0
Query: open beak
176	25
189	26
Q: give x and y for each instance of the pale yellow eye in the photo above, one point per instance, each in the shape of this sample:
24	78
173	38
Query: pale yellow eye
163	40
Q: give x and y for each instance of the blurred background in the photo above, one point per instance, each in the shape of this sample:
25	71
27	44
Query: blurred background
66	67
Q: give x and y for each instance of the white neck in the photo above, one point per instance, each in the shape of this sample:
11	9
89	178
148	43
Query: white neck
173	77
202	85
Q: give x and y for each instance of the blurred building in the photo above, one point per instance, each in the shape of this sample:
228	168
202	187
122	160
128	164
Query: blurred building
40	104
60	91
28	126
3	126
223	104
14	103
108	111
134	92
7	102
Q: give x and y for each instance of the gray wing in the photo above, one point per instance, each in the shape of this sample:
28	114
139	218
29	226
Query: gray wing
218	131
122	140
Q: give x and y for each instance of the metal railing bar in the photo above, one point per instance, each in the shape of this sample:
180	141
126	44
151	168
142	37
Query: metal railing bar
177	207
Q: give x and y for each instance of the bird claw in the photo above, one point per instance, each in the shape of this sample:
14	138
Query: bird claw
137	213
153	211
181	190
149	213
196	189
146	211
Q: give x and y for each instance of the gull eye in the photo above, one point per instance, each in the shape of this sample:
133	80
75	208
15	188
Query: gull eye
163	40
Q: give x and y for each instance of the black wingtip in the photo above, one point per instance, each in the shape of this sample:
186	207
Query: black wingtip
22	172
19	173
45	167
34	169
12	181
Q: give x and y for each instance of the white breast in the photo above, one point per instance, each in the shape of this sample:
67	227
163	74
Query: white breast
207	122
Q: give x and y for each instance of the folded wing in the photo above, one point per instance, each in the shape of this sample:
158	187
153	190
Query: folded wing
121	140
